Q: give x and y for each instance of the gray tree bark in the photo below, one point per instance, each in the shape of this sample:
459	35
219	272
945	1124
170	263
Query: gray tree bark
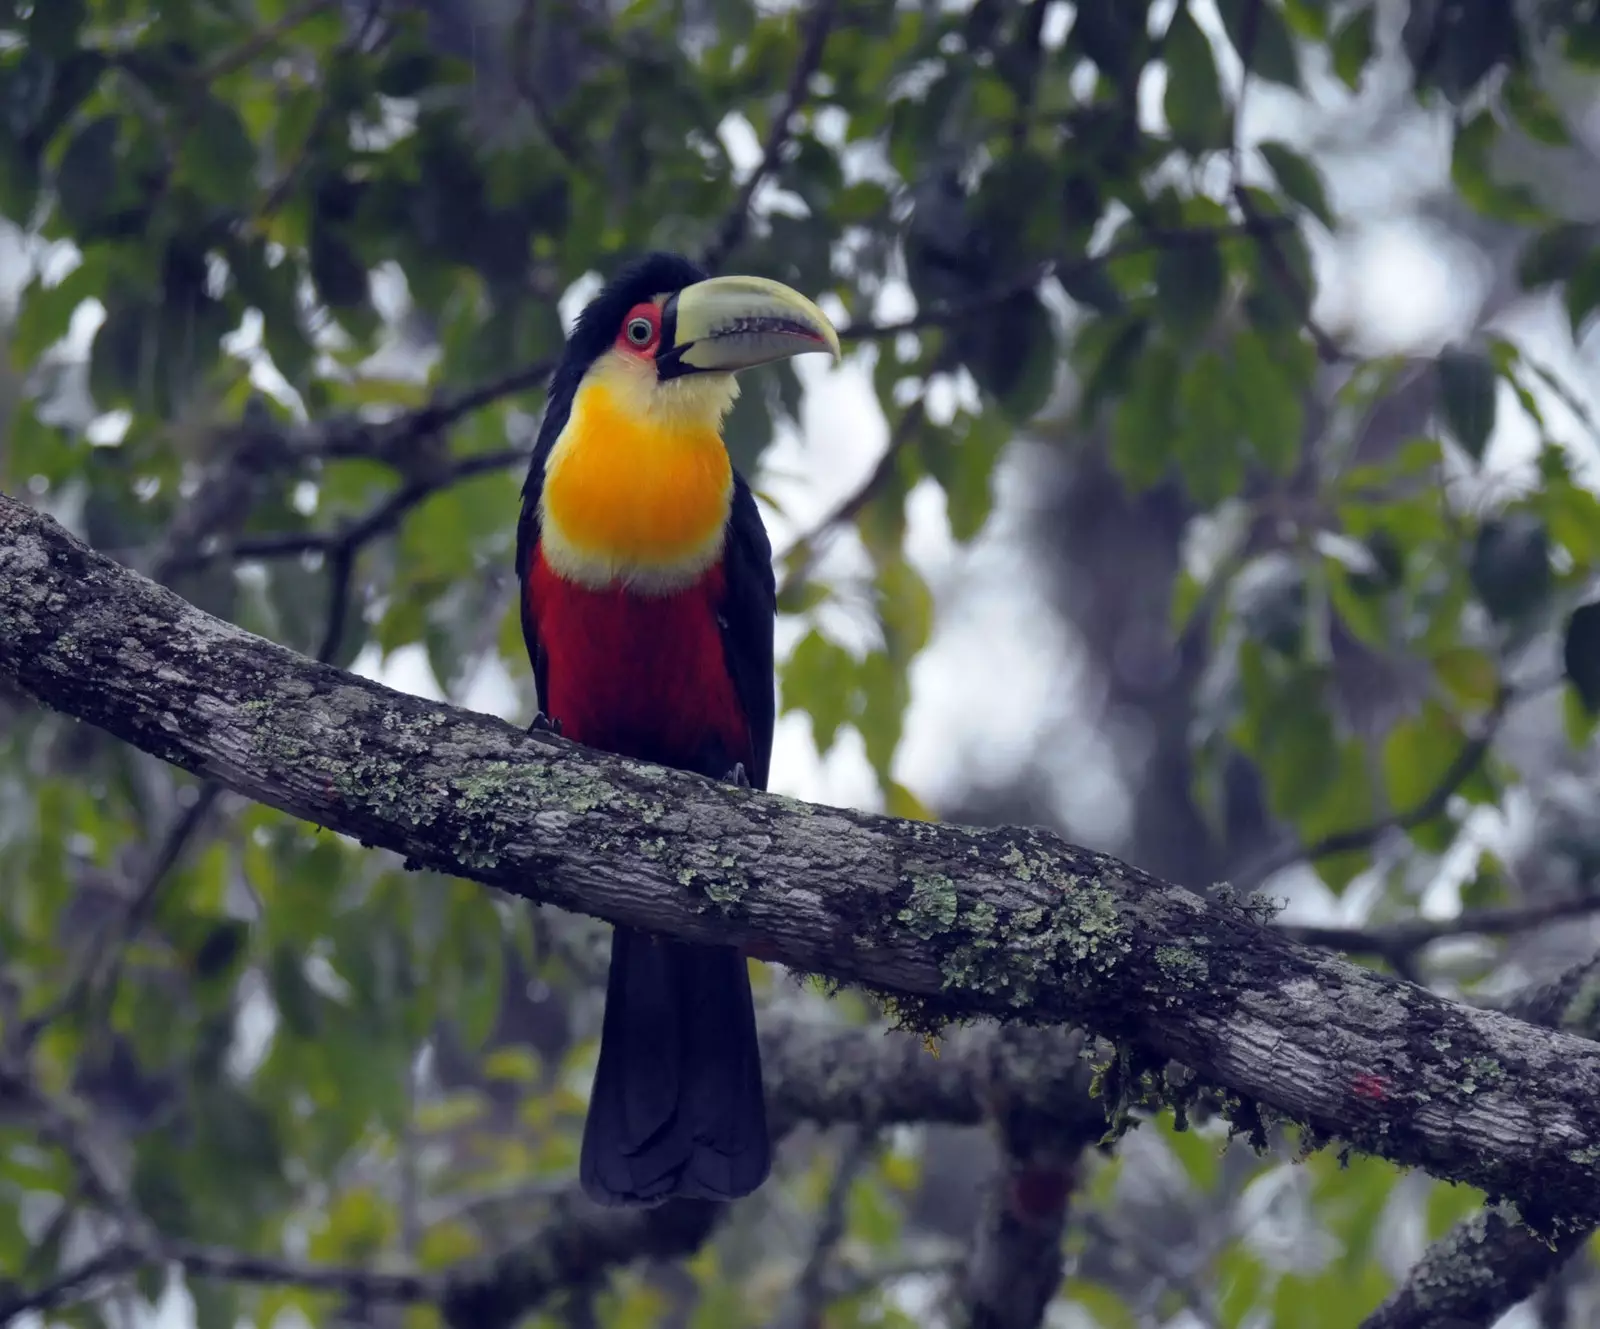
948	922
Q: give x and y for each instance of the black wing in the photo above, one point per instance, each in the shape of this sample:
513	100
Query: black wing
747	615
558	410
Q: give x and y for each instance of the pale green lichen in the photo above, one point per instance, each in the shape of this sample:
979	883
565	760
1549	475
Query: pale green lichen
932	907
1015	956
1017	862
1184	969
722	890
1484	1071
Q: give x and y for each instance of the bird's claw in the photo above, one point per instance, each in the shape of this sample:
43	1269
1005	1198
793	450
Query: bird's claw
737	776
547	724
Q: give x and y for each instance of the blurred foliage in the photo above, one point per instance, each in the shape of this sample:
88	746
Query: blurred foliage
316	211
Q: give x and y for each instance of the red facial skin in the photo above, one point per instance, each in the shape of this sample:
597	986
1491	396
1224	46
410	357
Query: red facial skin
651	313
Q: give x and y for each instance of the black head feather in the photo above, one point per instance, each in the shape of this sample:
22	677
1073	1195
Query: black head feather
596	328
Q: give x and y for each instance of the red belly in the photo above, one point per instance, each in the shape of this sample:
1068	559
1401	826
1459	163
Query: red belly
639	675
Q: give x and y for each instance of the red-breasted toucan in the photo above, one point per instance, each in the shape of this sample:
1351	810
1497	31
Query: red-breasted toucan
648	602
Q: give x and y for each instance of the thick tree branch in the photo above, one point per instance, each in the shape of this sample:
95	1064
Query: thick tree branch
1015	1264
1489	1262
1011	923
1474	1274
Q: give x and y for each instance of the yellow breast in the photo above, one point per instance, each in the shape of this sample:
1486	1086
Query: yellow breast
631	496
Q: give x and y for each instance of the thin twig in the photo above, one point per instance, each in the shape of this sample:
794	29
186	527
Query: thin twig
1394	940
278	193
1249	23
71	1287
809	1297
254	45
802	554
737	222
1459	772
1328	350
569	149
1146	241
383	517
101	966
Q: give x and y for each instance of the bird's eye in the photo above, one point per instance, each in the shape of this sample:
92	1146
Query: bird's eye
640	330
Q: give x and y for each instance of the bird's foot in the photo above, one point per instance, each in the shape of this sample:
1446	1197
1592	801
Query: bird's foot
545	723
737	776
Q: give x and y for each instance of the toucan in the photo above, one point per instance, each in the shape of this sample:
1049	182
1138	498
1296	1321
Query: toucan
648	603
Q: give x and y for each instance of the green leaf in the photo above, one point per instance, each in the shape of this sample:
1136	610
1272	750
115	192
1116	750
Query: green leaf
83	180
1298	750
1298	178
1106	1307
219	155
1472	172
1145	426
1345	804
1468	388
1091	286
905	608
969	481
297	1001
1207	446
1109	351
53	26
1555	254
1510	566
1022	362
819	678
1353	45
1269	402
885	691
340	277
1417	755
1583	293
1282	280
1453	47
1534	111
1581	655
1189	285
1262	38
1578	722
1111	36
1193	103
1470	676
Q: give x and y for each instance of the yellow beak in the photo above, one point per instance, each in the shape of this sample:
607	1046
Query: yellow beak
725	324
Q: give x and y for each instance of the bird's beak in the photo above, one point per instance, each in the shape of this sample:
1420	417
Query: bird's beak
725	324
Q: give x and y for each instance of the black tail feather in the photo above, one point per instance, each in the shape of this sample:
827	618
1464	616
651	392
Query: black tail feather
677	1105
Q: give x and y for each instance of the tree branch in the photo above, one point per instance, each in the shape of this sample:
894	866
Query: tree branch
1015	1264
801	556
1489	1262
952	922
1398	941
383	517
